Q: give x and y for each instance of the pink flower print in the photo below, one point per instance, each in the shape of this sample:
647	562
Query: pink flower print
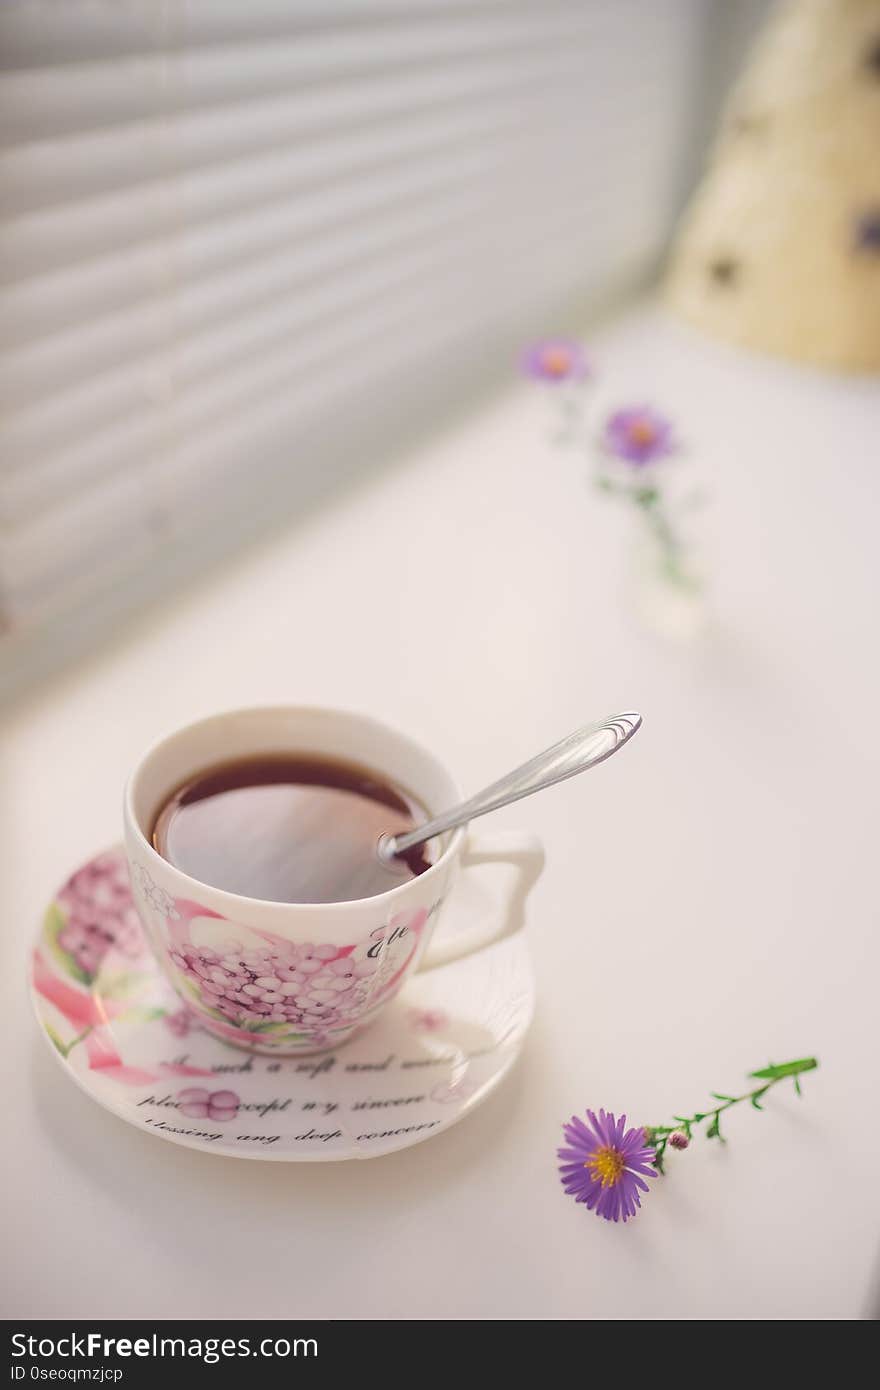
308	988
99	914
428	1020
180	1022
150	893
296	987
199	1104
448	1091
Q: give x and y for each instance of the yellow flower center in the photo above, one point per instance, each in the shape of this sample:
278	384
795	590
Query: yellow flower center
556	361
641	432
607	1166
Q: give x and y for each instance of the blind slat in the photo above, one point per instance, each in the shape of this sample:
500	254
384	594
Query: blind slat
79	229
37	557
203	374
45	103
377	172
239	239
61	32
217	402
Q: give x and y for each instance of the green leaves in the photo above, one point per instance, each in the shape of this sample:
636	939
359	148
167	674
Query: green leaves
128	985
714	1130
777	1073
253	1025
646	496
53	925
189	988
65	1048
278	1028
56	1041
658	1135
140	1013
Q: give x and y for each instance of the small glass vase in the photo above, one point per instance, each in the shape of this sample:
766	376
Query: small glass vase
668	587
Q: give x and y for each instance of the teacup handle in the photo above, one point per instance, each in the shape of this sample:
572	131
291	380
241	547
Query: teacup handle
508	847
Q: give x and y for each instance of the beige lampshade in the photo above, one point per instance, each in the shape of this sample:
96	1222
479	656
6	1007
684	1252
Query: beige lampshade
780	248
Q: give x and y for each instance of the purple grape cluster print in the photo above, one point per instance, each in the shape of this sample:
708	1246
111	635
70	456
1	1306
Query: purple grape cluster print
309	988
99	914
198	1104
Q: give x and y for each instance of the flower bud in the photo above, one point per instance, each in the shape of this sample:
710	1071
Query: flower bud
679	1139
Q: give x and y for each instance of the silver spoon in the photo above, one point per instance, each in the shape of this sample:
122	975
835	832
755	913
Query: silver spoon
582	749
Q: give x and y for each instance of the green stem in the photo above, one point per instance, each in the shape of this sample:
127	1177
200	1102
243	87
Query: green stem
672	552
66	1048
658	1135
571	410
649	501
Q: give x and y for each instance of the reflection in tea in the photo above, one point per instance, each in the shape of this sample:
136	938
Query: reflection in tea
289	828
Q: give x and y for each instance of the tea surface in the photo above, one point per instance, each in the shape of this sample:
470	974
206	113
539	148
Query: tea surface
289	829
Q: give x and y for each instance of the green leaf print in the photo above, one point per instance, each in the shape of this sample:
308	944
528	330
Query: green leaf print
141	1014
66	1048
275	1028
126	986
53	925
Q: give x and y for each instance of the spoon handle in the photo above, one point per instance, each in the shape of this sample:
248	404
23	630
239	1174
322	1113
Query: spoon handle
580	750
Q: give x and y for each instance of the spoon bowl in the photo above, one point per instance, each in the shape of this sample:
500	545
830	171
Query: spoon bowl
582	749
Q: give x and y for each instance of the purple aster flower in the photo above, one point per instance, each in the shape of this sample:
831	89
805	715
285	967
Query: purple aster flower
555	359
605	1164
638	434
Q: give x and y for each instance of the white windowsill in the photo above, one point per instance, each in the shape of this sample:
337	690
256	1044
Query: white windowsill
705	906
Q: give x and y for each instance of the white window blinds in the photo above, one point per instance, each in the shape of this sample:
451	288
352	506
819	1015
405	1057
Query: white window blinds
240	239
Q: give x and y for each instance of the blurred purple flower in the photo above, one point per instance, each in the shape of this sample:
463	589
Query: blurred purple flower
555	360
638	434
605	1164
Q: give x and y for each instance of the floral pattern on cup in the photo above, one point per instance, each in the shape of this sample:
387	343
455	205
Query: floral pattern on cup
96	914
286	992
296	988
149	891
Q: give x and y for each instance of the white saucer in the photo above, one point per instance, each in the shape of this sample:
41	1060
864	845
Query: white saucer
118	1030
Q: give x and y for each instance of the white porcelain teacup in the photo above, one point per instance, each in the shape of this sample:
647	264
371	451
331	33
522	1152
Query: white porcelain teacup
234	960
